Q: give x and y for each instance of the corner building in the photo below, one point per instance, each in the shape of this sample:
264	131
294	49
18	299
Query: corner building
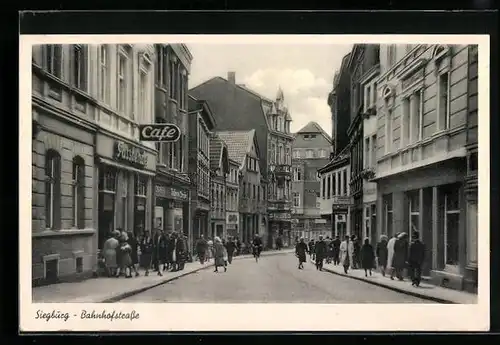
422	112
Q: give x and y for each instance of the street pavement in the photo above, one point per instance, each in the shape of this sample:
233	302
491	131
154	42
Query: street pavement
274	279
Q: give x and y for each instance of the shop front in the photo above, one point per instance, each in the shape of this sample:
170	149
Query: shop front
232	221
125	171
171	208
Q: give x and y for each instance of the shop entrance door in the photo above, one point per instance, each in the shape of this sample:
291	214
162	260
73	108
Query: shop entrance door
106	217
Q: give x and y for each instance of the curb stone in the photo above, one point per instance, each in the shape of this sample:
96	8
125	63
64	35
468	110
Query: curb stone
400	290
134	292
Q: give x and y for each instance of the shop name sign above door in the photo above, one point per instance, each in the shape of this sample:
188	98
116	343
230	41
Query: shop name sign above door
159	132
130	154
171	193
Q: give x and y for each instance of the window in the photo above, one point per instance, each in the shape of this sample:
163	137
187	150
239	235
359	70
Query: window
413	211
297	176
405	122
443	101
367	98
391	55
124	198
328	185
172	81
107	179
296	199
337	186
182	90
346	183
54	60
367	232
288	161
295	153
122	82
52	189
244	189
451	224
373	162
160	73
78	193
323	186
181	152
143	96
141	186
322	153
387	204
309	153
416	116
79	67
472	233
103	62
388	131
254	192
472	163
366	156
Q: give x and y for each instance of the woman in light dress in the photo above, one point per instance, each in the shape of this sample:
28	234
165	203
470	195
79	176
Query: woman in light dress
109	252
346	253
220	254
390	251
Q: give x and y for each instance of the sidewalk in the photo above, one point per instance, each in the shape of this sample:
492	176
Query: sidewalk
425	290
109	290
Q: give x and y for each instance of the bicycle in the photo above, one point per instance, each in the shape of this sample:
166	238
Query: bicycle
256	253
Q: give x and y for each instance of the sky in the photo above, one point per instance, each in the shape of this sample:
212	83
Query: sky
304	72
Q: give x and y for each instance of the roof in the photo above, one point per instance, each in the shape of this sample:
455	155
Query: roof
332	164
236	108
216	146
197	105
314	127
238	143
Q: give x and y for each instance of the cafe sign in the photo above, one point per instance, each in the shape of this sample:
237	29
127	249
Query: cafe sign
130	154
159	132
169	192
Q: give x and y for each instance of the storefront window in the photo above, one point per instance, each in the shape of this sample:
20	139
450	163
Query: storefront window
107	188
367	222
472	233
388	214
414	210
78	192
451	224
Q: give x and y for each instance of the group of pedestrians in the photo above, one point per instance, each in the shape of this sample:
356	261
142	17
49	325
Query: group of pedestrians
222	251
122	253
395	254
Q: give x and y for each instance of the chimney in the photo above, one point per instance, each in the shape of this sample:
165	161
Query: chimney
231	77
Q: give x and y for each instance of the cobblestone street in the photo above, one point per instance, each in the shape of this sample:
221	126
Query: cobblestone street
274	279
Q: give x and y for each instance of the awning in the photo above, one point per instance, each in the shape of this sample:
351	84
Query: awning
125	167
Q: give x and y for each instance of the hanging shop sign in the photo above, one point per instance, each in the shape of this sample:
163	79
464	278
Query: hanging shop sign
159	132
130	154
171	193
232	218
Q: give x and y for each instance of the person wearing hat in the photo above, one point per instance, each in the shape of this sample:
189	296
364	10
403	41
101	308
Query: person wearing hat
367	257
346	253
300	252
320	250
416	259
390	251
109	251
382	254
400	257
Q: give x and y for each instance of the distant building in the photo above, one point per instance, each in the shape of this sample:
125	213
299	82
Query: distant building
238	108
232	199
219	168
311	150
243	148
201	124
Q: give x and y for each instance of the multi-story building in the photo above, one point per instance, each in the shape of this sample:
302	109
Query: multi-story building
219	167
91	174
232	199
369	118
339	101
201	125
335	200
243	148
362	60
172	183
279	159
238	108
423	111
470	270
311	151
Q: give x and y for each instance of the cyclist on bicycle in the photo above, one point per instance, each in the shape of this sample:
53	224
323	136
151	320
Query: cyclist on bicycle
256	245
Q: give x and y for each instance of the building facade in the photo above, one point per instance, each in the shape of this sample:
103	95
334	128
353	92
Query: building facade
201	125
369	117
219	168
470	271
172	183
422	112
363	58
106	184
243	148
232	200
311	151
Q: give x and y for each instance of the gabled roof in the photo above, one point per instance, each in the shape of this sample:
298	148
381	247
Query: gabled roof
314	127
196	105
216	148
239	143
337	160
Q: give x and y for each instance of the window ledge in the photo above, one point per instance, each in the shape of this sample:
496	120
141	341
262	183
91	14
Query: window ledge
64	232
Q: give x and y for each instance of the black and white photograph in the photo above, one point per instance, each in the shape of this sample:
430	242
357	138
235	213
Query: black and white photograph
251	172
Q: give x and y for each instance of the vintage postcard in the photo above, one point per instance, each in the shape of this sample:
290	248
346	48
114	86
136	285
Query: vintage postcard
253	183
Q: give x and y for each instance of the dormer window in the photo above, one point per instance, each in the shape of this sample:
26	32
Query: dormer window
440	51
